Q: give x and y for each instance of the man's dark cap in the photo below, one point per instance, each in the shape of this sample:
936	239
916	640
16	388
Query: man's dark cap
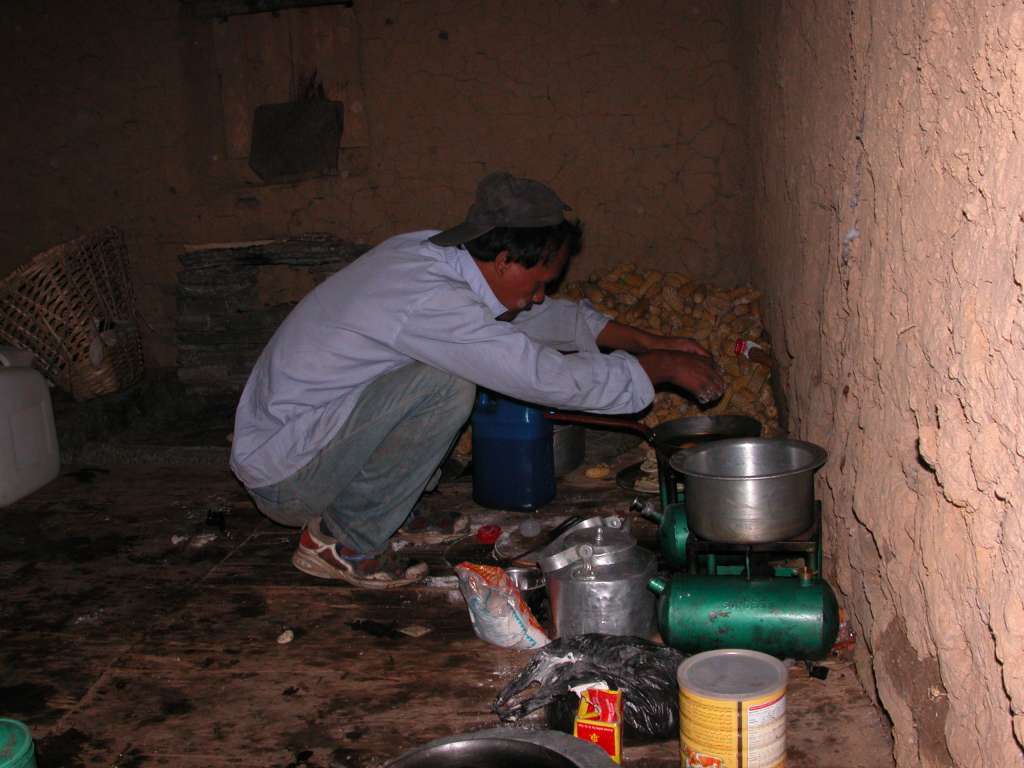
504	200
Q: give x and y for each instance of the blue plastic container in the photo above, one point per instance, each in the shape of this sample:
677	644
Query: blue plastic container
513	454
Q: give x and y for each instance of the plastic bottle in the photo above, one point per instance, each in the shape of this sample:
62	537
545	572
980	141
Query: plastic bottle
752	351
529	529
29	455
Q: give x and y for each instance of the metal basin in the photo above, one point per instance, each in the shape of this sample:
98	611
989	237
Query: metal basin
750	490
530	583
506	748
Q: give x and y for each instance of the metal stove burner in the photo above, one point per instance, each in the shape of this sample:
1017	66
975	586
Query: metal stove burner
715	557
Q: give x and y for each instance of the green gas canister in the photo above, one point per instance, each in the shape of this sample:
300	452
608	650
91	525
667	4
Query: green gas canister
794	617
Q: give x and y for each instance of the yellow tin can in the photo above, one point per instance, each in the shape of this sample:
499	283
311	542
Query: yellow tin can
732	710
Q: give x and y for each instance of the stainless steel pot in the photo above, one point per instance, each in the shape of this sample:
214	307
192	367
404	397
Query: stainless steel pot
750	490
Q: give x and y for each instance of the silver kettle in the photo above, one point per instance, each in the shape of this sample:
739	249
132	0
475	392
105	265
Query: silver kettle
596	575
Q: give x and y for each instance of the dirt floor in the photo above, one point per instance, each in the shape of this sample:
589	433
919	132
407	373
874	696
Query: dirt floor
141	615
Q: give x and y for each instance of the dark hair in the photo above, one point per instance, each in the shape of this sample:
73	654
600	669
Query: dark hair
528	246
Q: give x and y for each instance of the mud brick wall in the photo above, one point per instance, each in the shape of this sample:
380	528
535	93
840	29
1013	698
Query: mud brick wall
232	297
887	170
138	115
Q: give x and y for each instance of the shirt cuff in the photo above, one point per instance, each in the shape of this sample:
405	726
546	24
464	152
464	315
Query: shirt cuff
595	320
642	389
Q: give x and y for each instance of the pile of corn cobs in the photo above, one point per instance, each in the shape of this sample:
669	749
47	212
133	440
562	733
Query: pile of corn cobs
671	304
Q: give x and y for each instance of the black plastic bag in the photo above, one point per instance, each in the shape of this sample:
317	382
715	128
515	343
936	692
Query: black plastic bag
644	671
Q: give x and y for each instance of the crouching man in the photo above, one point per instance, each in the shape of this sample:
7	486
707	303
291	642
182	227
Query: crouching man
361	392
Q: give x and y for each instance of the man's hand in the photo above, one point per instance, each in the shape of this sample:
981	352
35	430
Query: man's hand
679	344
669	359
697	374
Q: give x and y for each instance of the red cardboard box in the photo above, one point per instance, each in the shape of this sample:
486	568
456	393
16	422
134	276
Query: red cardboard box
599	720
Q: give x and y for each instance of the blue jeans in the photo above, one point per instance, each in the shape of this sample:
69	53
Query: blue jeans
364	483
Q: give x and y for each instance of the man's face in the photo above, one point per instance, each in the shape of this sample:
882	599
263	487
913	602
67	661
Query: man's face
519	288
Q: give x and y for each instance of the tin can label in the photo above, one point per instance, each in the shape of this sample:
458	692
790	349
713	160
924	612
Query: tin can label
716	733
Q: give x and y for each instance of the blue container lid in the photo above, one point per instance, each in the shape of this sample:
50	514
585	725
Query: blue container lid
16	748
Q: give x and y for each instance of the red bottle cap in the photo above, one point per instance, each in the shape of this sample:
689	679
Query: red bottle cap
488	534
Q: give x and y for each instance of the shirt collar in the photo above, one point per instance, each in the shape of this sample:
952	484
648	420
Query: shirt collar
466	265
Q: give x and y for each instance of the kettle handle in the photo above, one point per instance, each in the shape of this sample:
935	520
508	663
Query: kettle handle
559	560
585	552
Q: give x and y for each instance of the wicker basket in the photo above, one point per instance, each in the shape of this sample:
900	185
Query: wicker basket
73	306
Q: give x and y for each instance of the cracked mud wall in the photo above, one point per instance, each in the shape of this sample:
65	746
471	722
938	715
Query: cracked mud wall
887	171
117	114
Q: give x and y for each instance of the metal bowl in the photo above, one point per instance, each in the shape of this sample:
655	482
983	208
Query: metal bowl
531	585
525	578
750	490
506	748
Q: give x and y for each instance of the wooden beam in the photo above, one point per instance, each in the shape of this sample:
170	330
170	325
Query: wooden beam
221	9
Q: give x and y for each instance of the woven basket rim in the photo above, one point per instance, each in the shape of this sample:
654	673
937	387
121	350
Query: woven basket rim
54	301
46	257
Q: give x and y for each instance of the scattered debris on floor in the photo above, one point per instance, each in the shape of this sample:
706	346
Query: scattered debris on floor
186	648
415	630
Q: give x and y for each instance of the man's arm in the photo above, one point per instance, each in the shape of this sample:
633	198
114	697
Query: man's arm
454	332
568	326
616	335
668	359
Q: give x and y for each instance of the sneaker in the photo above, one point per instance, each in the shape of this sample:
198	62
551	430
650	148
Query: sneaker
321	556
432	524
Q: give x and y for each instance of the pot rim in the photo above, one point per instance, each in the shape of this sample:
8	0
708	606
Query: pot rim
818	458
581	753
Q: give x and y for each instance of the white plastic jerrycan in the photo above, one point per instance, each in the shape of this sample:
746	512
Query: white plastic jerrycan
29	455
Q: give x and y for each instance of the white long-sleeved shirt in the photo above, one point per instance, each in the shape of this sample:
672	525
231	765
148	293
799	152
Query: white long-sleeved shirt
405	300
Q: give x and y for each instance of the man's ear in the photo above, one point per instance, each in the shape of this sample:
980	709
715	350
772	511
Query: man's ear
502	262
